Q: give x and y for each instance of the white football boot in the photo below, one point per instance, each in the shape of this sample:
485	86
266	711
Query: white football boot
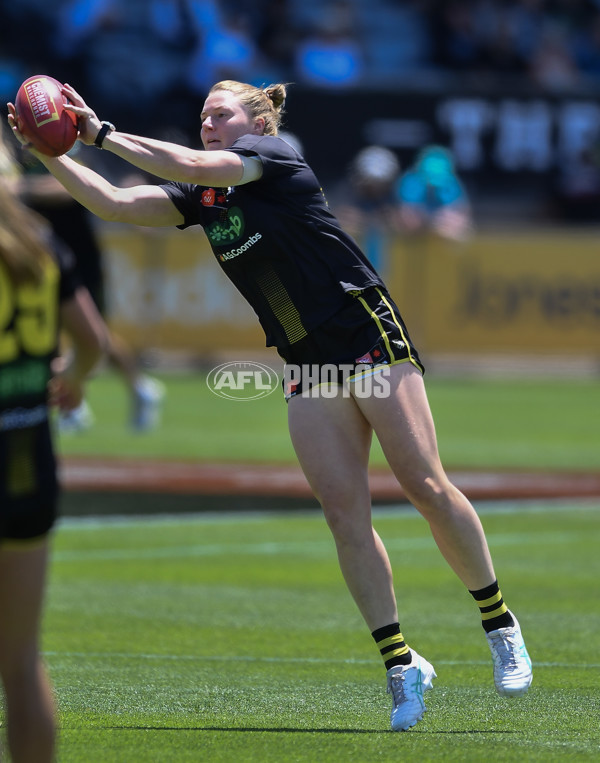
407	684
512	665
148	399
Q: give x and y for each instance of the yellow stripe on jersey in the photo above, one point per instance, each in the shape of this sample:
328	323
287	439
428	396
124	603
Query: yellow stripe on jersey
282	306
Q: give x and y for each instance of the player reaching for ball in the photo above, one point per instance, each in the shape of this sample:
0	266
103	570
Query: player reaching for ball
320	303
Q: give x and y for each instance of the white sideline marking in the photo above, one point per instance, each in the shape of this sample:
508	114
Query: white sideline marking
400	512
305	548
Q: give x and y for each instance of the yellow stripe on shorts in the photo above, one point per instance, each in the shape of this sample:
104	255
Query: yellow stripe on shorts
375	317
404	339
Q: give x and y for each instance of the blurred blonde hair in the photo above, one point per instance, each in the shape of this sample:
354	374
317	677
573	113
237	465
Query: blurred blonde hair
23	233
267	102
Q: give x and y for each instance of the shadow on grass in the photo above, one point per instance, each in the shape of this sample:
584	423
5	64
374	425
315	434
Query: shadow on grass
291	730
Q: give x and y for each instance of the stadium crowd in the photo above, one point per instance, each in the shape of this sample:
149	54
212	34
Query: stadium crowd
143	52
152	61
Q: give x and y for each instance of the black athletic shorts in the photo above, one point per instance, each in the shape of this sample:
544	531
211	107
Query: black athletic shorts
28	482
367	334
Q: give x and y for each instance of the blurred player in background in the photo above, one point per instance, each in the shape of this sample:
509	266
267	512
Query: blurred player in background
367	206
433	198
39	293
322	304
72	224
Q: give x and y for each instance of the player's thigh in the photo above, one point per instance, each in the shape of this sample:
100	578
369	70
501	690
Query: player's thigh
332	440
404	425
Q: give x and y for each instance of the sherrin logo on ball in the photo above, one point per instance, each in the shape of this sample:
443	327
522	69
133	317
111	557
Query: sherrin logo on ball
42	117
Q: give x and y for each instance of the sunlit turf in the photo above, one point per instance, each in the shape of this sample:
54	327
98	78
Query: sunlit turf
233	638
481	423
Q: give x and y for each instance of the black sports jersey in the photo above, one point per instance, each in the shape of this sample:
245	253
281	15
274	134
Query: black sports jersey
29	316
278	242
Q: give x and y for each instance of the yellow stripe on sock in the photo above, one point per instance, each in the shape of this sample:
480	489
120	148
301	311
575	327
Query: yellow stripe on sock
397	638
395	653
492	600
500	611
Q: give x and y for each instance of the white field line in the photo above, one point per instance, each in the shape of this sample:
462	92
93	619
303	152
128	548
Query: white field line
310	548
400	512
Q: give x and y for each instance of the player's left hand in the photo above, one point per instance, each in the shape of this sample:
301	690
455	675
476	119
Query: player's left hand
89	124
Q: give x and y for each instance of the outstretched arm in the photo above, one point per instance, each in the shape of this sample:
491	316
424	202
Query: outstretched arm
141	205
165	160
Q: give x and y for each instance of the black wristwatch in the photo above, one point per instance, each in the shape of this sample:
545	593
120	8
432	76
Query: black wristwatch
103	132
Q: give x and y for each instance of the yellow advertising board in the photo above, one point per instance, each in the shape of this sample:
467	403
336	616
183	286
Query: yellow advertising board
520	292
526	291
165	290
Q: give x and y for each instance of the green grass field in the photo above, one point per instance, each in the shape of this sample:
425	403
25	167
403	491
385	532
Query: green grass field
232	638
537	424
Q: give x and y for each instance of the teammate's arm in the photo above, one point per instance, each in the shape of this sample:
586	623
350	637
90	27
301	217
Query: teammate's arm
80	318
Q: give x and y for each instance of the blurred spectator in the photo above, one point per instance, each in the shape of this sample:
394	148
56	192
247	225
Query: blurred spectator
330	55
130	55
143	52
586	48
153	60
502	29
277	39
396	38
456	41
433	198
224	47
552	65
367	206
516	22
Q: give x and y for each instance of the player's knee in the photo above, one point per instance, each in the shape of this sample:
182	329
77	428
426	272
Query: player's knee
430	495
346	520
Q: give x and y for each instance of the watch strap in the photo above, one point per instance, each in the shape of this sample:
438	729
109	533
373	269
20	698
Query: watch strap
102	133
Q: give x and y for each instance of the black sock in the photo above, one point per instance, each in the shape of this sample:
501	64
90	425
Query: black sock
494	612
390	643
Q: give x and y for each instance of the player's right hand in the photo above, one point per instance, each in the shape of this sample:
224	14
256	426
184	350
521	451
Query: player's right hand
12	123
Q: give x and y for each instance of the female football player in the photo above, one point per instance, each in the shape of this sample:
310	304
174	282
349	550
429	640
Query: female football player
324	307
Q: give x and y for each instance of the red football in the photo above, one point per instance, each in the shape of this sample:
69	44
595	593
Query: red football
42	118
